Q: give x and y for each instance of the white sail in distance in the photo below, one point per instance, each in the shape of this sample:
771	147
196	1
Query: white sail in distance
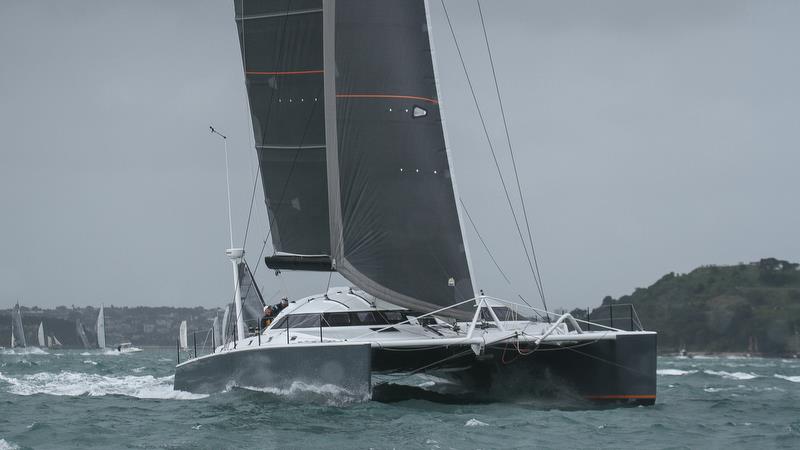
101	328
225	318
217	332
183	337
40	335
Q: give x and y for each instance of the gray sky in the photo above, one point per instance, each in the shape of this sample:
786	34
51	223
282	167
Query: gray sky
651	136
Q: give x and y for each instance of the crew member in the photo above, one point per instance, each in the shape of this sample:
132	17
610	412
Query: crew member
269	314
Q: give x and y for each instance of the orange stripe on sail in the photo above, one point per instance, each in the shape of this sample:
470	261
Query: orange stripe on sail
408	97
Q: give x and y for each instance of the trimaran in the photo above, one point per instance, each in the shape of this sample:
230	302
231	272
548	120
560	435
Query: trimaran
358	179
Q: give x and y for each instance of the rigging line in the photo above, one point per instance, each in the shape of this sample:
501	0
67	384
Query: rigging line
489	141
252	199
486	247
330	274
513	159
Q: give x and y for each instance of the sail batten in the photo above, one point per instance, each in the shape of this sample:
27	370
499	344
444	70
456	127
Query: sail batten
394	222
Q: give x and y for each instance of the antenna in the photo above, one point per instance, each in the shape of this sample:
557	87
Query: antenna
227	180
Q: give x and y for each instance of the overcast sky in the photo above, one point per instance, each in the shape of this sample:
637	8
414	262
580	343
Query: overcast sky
651	136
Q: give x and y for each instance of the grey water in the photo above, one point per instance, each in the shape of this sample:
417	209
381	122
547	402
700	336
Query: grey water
101	399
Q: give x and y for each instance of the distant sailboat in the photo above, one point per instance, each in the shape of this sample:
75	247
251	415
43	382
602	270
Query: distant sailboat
81	333
17	333
183	337
101	329
224	331
53	342
40	335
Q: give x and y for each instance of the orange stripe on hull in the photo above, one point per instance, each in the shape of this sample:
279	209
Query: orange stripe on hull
622	397
408	97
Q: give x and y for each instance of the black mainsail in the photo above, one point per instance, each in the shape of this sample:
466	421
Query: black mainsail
395	226
281	43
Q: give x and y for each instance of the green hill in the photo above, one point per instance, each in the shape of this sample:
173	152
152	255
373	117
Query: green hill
744	308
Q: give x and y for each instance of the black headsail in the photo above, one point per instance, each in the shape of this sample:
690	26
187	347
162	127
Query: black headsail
281	43
395	228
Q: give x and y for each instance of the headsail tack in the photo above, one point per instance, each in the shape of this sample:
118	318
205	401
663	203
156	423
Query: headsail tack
395	228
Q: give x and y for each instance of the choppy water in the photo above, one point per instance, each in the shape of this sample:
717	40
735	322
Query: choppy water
71	399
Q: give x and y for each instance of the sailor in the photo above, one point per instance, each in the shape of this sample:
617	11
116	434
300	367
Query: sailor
281	306
269	314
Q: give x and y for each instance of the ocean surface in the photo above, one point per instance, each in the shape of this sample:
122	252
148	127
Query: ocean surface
101	399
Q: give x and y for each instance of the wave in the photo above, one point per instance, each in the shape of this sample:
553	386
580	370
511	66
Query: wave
793	379
475	423
732	375
5	445
329	393
674	372
75	384
24	351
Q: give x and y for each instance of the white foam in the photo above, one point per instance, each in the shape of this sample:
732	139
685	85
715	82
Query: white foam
89	361
5	445
68	383
793	379
675	372
333	394
475	423
24	351
732	375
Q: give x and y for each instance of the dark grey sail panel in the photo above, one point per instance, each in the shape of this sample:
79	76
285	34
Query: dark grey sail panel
252	300
395	224
281	43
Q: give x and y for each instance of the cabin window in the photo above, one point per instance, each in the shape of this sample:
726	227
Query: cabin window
341	319
299	321
344	319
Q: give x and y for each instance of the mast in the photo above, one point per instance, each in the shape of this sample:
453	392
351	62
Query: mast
236	255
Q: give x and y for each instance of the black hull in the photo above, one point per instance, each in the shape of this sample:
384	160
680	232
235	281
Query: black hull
346	366
621	370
